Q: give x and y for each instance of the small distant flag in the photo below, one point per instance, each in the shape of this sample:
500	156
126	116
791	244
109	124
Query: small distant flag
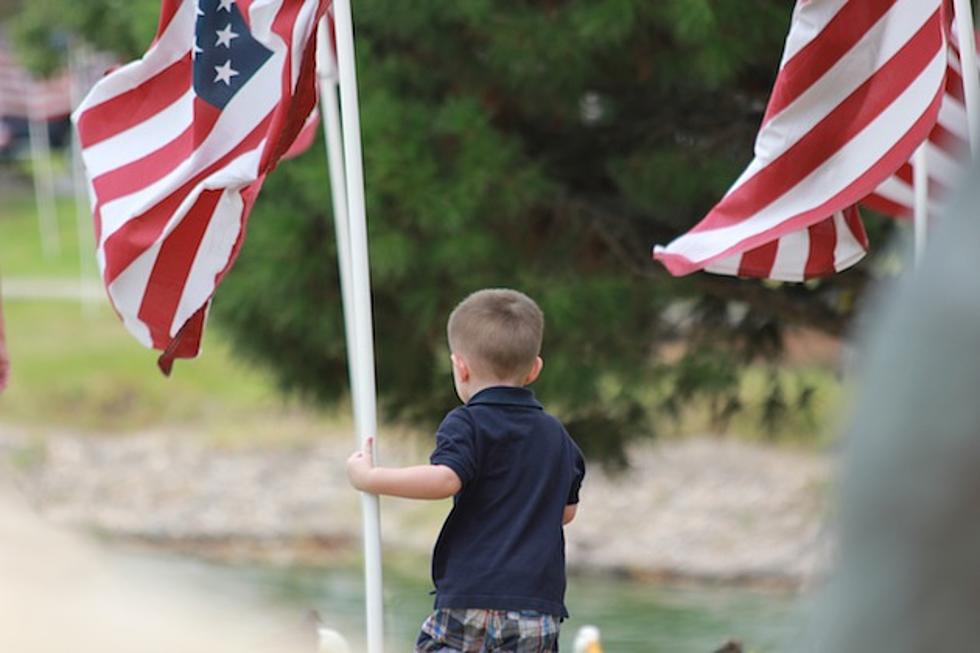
947	152
176	146
859	87
23	96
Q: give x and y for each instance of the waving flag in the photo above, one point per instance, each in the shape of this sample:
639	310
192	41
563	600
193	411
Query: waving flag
859	87
22	96
176	146
947	152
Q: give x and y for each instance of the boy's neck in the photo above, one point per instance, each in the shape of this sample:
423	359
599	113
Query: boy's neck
474	387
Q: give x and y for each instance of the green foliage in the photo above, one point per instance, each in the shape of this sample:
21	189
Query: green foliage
43	27
76	366
539	144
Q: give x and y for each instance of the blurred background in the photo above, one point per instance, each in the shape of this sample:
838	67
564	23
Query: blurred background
541	145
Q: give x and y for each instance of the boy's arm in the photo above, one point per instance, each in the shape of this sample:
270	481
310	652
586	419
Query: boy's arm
570	511
417	482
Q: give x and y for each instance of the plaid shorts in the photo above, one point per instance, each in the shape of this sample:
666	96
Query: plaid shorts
488	631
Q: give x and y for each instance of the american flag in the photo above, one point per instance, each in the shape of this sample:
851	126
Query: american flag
947	152
23	96
859	87
176	146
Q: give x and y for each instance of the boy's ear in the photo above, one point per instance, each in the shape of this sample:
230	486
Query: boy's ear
462	369
535	371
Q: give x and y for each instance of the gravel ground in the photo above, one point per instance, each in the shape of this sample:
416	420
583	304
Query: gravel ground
701	509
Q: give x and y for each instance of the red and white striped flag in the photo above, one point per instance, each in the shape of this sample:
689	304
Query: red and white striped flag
326	69
947	153
176	146
858	89
23	96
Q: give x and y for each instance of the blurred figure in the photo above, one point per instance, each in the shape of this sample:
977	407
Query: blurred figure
4	357
908	574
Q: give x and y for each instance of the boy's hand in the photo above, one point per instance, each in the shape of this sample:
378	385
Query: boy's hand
359	466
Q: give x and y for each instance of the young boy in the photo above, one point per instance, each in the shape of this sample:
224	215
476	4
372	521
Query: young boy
514	475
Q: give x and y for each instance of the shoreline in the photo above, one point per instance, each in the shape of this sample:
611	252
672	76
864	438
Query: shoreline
696	511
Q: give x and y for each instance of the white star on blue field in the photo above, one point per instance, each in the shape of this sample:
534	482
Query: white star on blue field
225	54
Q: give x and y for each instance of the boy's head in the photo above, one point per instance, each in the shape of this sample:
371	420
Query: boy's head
497	334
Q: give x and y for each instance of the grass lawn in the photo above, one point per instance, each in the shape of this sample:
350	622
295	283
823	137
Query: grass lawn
21	254
76	366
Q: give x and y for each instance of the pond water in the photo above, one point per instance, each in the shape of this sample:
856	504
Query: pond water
633	617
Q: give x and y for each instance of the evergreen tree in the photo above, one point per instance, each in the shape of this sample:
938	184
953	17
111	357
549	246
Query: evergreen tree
543	145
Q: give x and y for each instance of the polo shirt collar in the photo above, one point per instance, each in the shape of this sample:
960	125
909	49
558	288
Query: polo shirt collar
505	395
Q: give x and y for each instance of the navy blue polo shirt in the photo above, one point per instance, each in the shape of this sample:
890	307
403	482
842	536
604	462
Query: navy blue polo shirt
502	546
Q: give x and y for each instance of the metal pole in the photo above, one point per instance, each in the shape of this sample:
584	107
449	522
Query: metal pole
920	213
966	35
80	83
365	402
330	115
37	129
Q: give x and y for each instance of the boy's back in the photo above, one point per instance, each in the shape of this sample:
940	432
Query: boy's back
502	546
514	475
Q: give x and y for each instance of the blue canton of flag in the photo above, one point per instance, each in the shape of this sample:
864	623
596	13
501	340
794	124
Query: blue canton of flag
226	55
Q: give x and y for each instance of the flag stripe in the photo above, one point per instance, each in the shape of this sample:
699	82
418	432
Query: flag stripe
124	244
166	281
843	80
747	234
702	249
131	177
842	125
168	11
172	46
141	140
215	249
248	107
952	115
849	25
823	244
844	167
860	85
127	110
808	24
759	261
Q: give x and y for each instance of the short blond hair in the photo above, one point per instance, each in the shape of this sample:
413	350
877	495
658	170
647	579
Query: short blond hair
499	331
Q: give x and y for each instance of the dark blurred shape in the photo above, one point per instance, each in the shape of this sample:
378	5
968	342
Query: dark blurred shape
908	578
730	646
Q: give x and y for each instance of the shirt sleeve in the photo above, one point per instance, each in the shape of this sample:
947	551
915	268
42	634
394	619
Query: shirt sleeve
456	446
578	474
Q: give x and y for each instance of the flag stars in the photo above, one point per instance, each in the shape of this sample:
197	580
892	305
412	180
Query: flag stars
224	73
226	5
197	7
225	36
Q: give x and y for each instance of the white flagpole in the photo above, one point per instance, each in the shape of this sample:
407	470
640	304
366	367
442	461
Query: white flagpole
920	213
37	130
330	115
365	402
80	84
966	34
